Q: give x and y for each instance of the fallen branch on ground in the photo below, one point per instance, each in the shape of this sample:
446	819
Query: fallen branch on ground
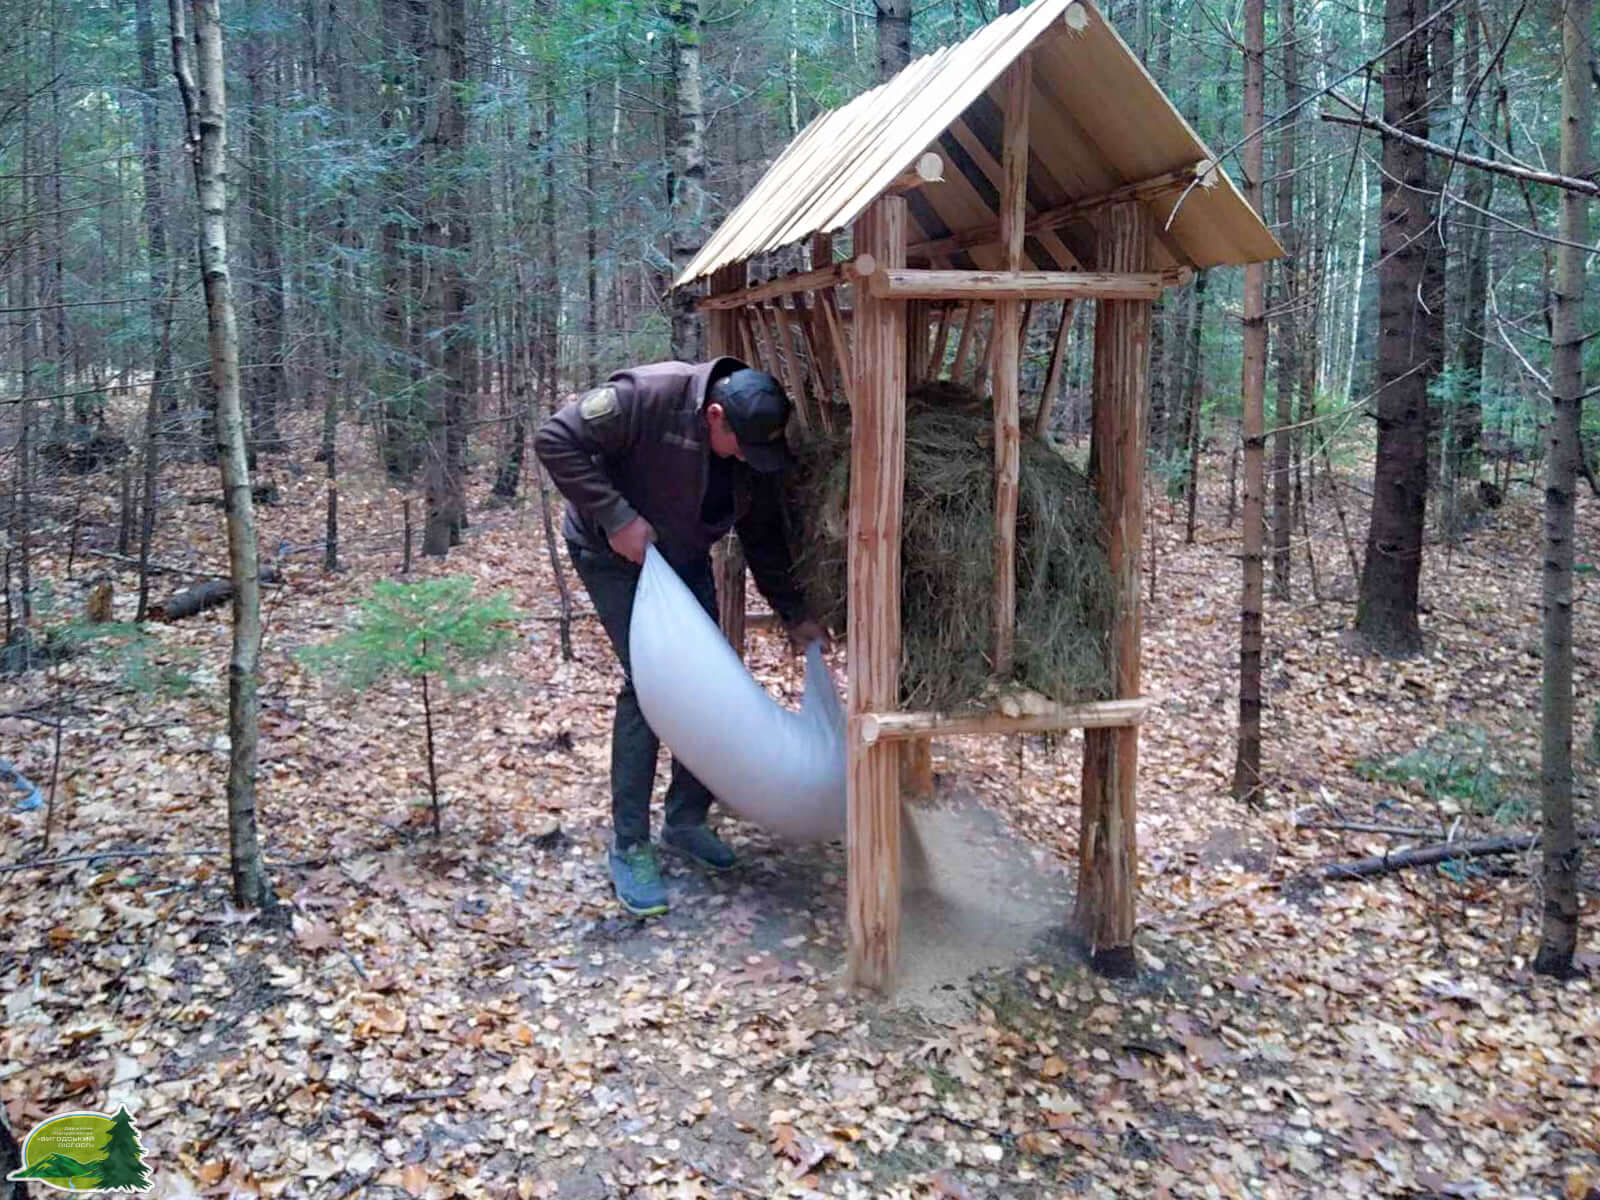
1427	856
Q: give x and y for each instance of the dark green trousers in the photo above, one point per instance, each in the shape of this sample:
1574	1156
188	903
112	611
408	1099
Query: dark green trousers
611	580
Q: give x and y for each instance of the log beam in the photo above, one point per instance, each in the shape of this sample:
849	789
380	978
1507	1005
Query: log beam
870	728
785	285
1107	877
899	283
929	168
877	478
989	233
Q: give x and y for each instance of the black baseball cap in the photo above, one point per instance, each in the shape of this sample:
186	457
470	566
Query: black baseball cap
757	410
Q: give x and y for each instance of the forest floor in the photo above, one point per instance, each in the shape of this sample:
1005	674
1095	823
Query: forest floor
472	1015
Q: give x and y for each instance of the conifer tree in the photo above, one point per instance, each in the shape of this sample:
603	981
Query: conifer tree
123	1169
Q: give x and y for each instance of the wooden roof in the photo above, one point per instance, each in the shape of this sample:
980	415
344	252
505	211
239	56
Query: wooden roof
1098	123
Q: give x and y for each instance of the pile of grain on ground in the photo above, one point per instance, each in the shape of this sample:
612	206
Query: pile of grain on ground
947	558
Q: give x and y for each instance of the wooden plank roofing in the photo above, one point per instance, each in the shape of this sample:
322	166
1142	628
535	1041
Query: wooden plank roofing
1097	123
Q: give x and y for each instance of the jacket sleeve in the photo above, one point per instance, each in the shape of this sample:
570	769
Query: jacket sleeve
574	443
766	549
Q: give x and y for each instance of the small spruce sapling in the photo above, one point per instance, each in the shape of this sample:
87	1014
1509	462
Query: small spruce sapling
425	629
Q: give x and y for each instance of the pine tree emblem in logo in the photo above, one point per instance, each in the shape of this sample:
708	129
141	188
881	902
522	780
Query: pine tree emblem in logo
85	1152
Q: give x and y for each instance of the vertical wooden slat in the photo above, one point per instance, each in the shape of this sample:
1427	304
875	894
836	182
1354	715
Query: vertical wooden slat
1107	875
841	345
769	355
1052	377
916	768
916	342
877	475
822	256
941	339
746	338
1007	363
795	381
985	347
812	337
969	315
728	558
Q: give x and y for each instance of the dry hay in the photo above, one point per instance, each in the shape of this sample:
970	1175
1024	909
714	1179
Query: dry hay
1064	596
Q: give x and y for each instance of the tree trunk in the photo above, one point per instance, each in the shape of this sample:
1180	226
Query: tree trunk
550	299
1247	763
53	284
591	268
159	406
1386	614
264	382
1288	316
1435	299
1467	410
1559	933
894	36
447	239
688	181
206	107
22	516
1196	390
397	426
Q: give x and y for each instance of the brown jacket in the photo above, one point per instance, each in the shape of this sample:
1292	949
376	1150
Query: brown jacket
637	446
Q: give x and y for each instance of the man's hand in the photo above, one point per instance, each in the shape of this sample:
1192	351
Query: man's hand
633	539
803	633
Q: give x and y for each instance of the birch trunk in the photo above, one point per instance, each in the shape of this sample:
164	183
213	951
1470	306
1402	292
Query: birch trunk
205	103
894	36
688	169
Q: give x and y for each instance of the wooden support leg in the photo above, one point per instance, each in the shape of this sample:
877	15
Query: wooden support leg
877	475
1107	873
727	566
1009	323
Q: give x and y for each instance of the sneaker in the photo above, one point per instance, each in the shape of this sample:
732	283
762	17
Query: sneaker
698	843
637	879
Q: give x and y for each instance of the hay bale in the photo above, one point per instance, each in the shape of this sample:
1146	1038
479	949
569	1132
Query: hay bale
1064	596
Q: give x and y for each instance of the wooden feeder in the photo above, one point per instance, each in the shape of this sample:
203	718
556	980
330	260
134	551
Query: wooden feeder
1036	160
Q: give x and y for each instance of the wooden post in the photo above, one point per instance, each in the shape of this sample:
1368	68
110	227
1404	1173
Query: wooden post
728	557
877	476
1007	365
916	756
1107	876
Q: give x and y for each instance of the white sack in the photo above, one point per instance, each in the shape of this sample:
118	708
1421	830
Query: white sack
782	770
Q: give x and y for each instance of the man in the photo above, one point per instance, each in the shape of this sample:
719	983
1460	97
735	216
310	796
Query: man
676	454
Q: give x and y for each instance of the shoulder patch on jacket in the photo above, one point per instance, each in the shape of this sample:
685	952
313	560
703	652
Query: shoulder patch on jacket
599	404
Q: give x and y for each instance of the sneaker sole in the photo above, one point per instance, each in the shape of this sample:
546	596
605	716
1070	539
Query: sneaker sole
654	910
698	861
